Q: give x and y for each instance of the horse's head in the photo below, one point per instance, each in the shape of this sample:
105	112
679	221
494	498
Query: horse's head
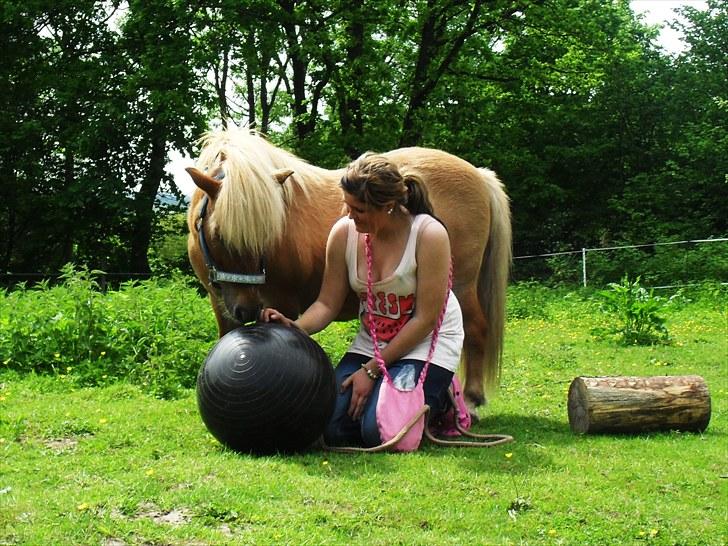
230	232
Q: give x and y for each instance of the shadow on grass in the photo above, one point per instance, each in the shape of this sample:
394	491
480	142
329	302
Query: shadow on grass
540	443
530	451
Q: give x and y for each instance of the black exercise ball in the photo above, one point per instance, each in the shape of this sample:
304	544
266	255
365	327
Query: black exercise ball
266	388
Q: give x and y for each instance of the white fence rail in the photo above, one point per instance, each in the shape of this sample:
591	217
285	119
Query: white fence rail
584	252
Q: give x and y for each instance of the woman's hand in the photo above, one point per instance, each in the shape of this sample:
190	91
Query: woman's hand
268	314
361	389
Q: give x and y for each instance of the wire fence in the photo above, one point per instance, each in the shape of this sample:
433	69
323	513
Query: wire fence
587	266
700	267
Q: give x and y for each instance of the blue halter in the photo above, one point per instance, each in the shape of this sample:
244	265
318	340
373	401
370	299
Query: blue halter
214	274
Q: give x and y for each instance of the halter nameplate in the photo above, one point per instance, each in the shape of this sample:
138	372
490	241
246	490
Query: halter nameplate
240	278
214	275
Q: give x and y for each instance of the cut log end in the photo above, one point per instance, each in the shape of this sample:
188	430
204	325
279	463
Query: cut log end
638	404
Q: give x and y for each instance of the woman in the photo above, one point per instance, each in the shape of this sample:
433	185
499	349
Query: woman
410	266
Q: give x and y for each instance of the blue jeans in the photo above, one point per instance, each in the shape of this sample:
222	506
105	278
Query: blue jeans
342	430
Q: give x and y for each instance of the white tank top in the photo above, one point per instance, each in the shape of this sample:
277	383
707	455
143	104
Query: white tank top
394	303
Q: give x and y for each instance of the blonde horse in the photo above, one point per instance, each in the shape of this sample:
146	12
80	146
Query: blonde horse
259	221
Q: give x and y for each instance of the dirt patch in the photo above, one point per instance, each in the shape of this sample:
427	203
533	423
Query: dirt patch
175	517
61	445
113	542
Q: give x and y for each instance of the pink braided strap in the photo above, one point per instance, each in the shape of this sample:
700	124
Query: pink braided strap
372	321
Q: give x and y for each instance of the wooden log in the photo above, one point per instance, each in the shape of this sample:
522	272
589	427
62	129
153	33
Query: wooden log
638	404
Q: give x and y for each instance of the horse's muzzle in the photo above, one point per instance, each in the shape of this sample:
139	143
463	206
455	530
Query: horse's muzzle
245	315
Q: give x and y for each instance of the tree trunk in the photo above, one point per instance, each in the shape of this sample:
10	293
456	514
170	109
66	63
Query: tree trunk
349	97
144	202
299	67
437	53
69	174
638	404
221	77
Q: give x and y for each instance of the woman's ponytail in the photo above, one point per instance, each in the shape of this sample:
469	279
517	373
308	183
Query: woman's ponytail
418	200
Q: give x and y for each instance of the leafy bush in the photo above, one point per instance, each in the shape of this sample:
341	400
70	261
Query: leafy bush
154	333
638	313
528	299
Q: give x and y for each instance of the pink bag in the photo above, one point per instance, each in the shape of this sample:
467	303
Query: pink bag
401	415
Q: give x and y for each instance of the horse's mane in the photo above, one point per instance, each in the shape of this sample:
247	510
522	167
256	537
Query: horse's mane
250	210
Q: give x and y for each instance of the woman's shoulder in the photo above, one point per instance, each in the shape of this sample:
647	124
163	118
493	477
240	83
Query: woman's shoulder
341	223
340	230
429	226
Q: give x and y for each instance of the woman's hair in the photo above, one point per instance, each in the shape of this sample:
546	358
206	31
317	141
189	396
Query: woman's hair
375	180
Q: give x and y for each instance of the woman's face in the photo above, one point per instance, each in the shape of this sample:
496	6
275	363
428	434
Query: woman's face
366	218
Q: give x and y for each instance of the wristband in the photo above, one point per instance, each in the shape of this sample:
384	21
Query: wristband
372	375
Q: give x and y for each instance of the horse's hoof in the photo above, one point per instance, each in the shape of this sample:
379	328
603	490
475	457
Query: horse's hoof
474	400
472	408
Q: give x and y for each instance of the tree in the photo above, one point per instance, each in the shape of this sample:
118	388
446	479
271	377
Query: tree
595	132
160	104
94	109
557	99
55	71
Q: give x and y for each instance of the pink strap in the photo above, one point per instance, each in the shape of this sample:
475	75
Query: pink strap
372	326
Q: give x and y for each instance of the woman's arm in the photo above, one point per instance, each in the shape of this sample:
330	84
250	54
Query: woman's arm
334	288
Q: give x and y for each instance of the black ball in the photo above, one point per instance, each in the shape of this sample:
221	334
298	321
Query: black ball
266	388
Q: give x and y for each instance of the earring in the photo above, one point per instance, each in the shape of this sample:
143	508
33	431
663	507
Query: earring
390	210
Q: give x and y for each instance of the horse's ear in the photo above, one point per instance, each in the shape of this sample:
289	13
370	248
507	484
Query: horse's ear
206	183
282	175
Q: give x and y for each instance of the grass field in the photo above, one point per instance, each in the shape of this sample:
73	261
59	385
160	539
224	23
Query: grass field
113	466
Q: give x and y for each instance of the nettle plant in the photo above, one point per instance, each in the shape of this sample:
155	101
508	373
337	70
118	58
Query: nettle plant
638	312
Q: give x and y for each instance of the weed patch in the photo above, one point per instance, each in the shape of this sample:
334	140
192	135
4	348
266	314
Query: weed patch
151	333
638	313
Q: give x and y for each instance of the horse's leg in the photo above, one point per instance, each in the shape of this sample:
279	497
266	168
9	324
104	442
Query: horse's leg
475	325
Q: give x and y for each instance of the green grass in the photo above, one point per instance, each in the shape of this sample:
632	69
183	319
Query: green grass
113	465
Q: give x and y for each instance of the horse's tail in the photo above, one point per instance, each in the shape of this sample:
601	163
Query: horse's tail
493	278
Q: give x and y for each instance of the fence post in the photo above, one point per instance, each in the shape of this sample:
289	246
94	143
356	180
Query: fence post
583	266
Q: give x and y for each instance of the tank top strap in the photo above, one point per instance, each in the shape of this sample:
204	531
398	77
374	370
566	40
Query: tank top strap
351	241
351	253
420	221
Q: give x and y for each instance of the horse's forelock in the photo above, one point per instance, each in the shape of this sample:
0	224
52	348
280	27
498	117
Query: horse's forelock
250	210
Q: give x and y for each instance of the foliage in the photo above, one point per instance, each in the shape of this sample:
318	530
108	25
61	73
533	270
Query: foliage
528	299
638	312
600	137
96	94
168	246
125	467
153	333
